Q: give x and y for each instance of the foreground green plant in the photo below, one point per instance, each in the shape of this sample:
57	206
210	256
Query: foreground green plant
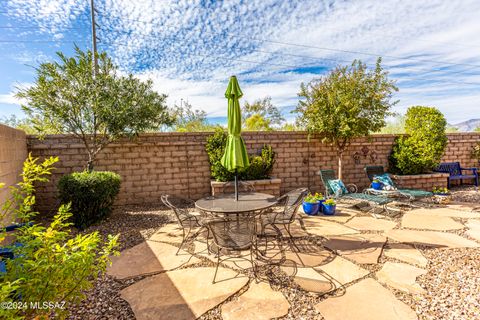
51	268
422	148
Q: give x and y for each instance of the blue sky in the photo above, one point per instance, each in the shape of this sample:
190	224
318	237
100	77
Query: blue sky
190	48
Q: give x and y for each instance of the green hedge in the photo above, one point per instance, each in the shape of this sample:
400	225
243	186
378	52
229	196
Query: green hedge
91	194
423	146
261	165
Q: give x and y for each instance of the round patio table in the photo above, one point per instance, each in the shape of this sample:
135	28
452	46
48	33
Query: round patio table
226	204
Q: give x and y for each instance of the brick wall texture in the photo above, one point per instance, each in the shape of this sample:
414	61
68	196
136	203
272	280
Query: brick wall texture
177	163
13	151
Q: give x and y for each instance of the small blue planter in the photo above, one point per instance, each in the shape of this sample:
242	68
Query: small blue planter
320	205
328	210
377	185
311	208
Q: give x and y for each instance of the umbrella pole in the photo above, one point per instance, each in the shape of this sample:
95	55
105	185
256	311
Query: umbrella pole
236	185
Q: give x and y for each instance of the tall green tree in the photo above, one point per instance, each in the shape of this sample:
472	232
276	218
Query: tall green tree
68	98
19	123
261	115
188	119
349	102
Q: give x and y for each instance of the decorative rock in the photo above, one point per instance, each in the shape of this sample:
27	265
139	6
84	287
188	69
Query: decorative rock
366	300
257	303
407	253
430	222
446	212
431	238
327	277
362	248
181	294
322	227
147	258
401	276
370	223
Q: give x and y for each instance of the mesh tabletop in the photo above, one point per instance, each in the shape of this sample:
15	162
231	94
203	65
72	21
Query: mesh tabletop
247	202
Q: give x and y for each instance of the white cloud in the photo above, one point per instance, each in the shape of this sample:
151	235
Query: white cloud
190	48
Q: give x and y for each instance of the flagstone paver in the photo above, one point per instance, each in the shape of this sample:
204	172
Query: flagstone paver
171	233
307	255
401	276
406	253
326	277
361	248
148	257
473	228
181	294
342	215
446	212
257	303
431	238
370	223
365	300
322	227
295	229
429	222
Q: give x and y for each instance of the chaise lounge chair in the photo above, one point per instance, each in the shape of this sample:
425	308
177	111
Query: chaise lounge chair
328	178
414	194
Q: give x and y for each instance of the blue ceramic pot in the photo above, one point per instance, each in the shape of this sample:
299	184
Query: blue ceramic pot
320	205
328	210
377	185
311	208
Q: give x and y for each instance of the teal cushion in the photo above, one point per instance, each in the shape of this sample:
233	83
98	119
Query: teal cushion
384	179
337	186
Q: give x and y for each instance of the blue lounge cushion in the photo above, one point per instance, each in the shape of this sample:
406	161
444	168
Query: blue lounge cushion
337	186
385	179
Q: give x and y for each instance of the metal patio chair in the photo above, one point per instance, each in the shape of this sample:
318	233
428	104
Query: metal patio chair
290	202
185	217
233	235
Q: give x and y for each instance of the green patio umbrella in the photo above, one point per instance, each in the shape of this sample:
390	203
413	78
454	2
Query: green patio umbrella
235	156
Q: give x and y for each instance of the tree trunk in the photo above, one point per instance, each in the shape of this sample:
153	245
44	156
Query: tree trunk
340	169
90	163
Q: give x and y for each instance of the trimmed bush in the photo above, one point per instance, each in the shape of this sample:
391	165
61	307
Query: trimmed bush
261	165
91	195
422	148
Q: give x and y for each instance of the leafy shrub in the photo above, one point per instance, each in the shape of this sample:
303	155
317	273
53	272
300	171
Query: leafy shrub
423	146
51	265
476	151
261	165
91	195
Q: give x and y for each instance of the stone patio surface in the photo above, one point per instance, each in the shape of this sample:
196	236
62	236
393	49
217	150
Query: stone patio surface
401	276
431	238
148	257
259	302
328	256
182	294
429	222
366	300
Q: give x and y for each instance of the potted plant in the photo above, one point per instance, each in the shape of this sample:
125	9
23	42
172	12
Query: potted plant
329	207
376	184
321	199
441	195
311	204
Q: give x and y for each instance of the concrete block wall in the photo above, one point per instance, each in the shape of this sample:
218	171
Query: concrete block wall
13	152
177	163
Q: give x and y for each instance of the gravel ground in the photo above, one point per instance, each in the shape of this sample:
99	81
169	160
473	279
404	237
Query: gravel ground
452	282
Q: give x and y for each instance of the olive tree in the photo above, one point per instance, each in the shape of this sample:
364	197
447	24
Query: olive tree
98	108
261	115
348	102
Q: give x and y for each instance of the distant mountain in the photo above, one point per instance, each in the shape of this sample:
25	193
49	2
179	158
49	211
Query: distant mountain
468	125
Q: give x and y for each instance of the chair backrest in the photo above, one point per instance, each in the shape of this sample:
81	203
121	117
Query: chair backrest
327	175
452	168
291	202
182	214
233	233
372	171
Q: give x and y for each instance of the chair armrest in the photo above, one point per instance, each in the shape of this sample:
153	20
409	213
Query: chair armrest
13	227
469	169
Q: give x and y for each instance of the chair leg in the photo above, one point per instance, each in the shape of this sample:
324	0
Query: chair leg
183	240
216	269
